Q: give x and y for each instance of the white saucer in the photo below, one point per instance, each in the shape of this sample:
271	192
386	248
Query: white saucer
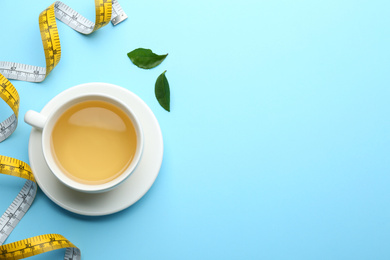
125	194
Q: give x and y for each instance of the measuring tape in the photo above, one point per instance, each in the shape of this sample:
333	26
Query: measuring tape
15	212
106	11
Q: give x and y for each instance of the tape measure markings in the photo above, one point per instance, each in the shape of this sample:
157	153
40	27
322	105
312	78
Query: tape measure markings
52	49
15	167
23	200
19	71
72	253
17	209
72	18
50	38
105	11
37	245
9	94
118	15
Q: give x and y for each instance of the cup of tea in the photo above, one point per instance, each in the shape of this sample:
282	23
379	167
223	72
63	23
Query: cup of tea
91	142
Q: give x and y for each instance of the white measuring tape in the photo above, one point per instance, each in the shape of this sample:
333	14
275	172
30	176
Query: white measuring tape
106	11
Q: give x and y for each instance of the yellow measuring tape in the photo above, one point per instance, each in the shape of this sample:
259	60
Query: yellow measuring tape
11	217
106	11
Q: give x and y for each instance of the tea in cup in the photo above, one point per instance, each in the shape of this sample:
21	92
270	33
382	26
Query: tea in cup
91	142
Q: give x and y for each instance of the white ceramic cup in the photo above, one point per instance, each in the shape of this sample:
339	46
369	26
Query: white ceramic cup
46	124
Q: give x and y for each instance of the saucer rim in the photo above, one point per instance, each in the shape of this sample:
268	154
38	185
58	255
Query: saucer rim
157	131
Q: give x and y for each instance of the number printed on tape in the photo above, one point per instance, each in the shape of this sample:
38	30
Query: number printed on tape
106	11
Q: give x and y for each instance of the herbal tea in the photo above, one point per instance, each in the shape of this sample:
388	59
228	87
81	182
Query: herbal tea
93	142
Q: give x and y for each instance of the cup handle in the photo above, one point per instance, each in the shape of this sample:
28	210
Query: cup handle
35	119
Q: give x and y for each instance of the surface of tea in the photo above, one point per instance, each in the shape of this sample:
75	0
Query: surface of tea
93	142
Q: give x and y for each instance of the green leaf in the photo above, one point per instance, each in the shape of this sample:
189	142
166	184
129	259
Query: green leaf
162	92
145	58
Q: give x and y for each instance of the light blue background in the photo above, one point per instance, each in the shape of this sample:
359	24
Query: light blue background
277	146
